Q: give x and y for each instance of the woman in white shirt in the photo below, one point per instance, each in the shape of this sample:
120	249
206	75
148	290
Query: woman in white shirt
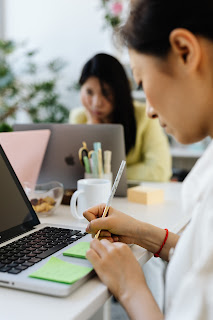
171	52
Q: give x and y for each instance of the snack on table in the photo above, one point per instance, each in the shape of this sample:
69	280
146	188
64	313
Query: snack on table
43	204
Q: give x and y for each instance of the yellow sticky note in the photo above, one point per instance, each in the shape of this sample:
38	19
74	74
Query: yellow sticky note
78	251
60	271
144	195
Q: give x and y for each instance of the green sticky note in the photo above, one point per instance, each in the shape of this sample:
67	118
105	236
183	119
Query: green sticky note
78	251
60	271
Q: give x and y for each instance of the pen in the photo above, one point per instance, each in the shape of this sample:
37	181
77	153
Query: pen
107	161
86	164
114	187
94	163
97	148
100	164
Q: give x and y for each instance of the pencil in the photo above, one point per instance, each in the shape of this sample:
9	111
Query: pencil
86	164
100	163
114	187
107	161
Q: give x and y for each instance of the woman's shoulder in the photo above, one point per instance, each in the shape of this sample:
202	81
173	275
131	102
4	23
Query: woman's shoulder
140	107
140	113
77	115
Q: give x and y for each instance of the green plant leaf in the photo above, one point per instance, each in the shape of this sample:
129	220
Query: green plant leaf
4	127
28	90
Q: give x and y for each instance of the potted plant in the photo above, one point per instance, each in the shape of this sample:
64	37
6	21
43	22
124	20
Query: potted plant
22	88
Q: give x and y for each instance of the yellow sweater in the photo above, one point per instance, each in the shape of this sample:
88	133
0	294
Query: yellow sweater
149	159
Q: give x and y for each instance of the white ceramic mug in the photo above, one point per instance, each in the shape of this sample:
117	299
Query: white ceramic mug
89	193
105	176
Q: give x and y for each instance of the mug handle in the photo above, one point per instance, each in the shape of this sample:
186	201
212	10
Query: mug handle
73	201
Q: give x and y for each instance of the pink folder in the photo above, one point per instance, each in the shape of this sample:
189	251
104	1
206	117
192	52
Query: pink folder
25	151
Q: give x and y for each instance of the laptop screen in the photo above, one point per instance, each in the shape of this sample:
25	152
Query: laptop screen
16	213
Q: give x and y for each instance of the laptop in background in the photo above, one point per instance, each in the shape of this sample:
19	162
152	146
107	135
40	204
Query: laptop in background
26	244
61	161
25	151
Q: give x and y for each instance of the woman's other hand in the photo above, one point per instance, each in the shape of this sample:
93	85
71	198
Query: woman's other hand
117	267
91	119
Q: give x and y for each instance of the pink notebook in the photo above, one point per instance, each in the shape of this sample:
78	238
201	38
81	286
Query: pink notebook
25	151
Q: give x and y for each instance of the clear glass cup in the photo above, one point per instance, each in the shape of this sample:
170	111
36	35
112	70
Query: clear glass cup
45	197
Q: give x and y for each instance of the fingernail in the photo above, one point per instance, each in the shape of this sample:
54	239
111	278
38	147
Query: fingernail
87	228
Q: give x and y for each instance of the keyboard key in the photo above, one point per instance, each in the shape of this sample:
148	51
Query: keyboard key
5	269
15	251
47	253
2	257
36	246
31	248
34	260
31	255
37	251
28	264
19	255
20	261
6	261
82	234
7	255
21	267
43	249
26	251
12	265
12	258
14	271
72	233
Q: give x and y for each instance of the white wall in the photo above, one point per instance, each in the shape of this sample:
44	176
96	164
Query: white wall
70	29
2	19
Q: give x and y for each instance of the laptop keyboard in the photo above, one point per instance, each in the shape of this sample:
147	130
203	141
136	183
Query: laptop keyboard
29	250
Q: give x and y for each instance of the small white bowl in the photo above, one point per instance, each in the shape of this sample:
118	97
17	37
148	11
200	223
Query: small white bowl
46	197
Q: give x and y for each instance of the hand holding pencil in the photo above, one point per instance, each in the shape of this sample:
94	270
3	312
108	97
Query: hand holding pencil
116	226
114	187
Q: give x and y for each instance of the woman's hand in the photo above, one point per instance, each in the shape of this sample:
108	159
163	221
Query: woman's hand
117	267
117	226
91	119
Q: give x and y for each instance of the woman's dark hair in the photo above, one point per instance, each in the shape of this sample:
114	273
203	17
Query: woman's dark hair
109	70
150	22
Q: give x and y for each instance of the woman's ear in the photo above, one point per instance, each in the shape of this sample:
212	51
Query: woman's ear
186	46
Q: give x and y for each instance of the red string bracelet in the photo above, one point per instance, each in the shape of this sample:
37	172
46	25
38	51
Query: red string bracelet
156	255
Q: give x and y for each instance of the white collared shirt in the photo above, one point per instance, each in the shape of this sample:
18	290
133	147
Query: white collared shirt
189	279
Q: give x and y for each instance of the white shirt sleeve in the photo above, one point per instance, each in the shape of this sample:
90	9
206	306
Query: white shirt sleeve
191	274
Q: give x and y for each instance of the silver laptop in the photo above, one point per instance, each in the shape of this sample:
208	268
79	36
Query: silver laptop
61	161
26	245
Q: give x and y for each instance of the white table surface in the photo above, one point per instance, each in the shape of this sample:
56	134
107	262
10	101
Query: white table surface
86	300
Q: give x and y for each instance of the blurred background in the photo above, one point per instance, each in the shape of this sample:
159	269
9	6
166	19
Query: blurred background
65	33
43	46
